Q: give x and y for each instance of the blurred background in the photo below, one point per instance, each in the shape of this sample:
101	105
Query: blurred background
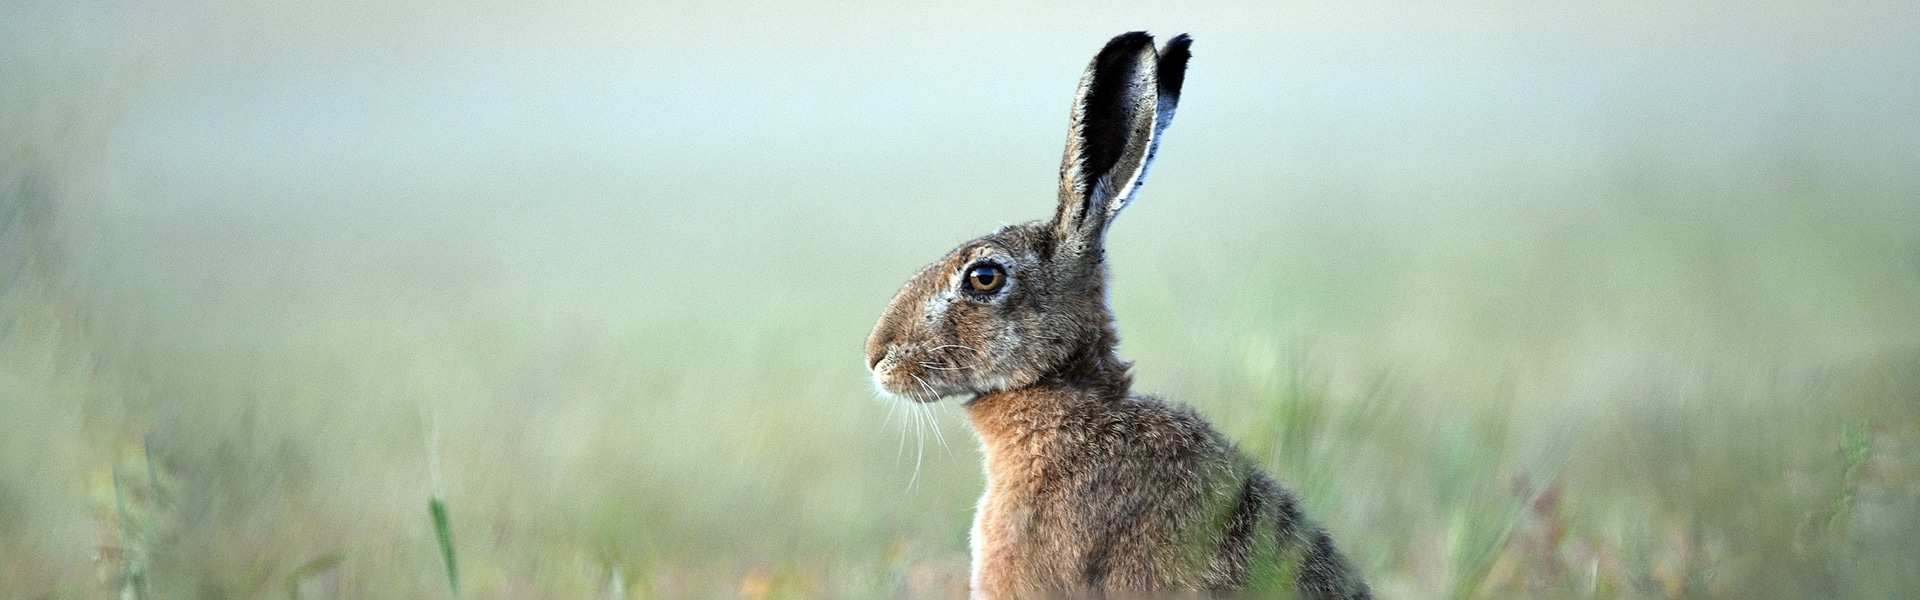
1610	299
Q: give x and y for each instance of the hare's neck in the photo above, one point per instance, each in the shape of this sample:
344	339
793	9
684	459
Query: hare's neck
1095	371
1016	427
1015	423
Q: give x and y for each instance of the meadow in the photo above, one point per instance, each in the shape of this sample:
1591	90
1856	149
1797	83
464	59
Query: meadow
1522	305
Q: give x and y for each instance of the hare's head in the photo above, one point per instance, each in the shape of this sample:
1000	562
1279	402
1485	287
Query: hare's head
1004	310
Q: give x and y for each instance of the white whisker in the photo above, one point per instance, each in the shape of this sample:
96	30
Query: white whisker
899	451
920	444
924	418
931	395
933	419
892	406
927	417
950	365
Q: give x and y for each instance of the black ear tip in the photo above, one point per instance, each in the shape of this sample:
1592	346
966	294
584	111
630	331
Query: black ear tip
1173	65
1131	39
1177	45
1126	44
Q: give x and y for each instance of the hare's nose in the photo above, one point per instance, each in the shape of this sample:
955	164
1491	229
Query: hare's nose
880	342
877	351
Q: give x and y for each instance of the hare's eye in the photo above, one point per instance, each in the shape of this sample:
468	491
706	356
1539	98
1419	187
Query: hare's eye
986	278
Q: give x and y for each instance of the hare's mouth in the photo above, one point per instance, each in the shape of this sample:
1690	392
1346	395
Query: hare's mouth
907	385
909	374
915	389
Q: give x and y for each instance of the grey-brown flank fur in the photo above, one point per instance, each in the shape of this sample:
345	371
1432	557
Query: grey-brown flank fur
1091	490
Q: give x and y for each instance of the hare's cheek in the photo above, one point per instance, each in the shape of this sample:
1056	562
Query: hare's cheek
969	326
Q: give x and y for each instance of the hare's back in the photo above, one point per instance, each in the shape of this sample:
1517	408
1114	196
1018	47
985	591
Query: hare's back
1189	487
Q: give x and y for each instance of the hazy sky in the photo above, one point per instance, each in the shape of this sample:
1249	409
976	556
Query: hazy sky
609	91
552	142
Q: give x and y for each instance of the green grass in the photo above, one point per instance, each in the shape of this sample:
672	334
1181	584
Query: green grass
722	457
437	509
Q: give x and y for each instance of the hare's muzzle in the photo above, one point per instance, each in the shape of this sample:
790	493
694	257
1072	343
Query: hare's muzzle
887	377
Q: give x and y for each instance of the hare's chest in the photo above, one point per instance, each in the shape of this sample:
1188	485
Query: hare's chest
1021	537
1019	543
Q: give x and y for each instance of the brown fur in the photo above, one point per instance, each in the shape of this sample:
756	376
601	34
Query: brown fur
1091	490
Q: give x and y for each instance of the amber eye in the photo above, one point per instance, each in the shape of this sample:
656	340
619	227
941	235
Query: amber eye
986	278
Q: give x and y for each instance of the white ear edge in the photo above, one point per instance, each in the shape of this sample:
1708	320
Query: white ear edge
1145	92
1134	180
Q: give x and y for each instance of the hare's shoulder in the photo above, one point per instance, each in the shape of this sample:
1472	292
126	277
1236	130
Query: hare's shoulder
1068	435
1147	424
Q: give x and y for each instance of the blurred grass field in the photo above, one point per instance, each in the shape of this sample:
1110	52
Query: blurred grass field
1535	302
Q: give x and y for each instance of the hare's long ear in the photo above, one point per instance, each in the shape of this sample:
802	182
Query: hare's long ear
1126	99
1172	71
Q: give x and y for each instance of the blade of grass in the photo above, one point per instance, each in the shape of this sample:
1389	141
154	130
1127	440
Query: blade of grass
438	509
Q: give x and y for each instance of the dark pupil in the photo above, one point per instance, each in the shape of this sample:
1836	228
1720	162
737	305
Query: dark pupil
984	279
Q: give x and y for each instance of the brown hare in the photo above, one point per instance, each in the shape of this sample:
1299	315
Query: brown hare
1090	490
